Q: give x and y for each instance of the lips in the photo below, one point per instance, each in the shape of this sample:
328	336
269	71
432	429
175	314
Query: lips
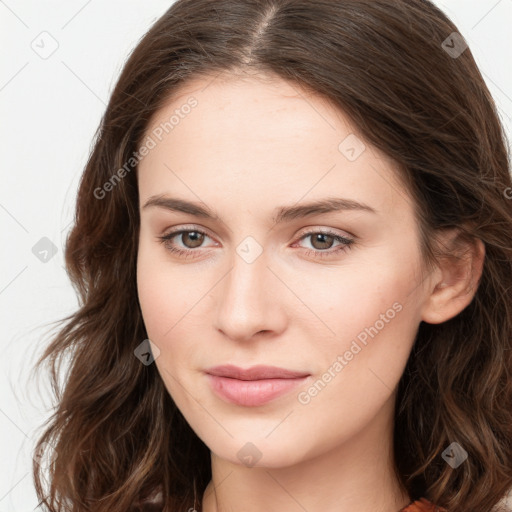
258	372
254	386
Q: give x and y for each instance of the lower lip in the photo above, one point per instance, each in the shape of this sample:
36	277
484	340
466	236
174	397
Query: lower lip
251	393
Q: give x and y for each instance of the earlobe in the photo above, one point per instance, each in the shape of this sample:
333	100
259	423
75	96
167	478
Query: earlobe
454	285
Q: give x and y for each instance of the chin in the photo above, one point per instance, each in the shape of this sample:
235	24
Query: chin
258	451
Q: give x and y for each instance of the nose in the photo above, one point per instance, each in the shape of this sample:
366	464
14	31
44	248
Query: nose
250	300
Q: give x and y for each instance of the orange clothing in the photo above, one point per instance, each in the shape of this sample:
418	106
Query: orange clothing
422	505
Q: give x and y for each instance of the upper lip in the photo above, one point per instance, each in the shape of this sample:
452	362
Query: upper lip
255	372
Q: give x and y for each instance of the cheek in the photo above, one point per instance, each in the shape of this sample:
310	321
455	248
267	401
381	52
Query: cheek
375	319
171	308
360	370
162	308
357	299
156	289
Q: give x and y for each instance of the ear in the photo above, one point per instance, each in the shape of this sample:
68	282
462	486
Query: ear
454	282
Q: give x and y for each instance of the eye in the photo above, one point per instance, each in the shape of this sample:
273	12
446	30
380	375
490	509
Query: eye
324	239
194	238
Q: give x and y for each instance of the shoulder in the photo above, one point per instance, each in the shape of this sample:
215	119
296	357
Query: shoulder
422	505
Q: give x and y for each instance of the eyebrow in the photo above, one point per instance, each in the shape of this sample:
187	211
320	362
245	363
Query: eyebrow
282	214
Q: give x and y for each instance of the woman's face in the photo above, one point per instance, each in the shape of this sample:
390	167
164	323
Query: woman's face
263	280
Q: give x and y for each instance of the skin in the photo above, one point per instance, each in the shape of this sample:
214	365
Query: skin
248	147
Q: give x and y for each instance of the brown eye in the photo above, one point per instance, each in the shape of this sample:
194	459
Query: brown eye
321	241
188	239
196	239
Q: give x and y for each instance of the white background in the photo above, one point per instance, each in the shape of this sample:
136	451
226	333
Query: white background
49	111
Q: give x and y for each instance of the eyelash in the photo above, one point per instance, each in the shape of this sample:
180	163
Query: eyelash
316	253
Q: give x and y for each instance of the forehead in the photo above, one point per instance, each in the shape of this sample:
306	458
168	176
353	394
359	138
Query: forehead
264	133
242	99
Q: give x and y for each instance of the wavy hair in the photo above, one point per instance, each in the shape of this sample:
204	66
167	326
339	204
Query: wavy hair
116	438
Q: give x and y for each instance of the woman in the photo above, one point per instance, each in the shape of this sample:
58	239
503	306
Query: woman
292	248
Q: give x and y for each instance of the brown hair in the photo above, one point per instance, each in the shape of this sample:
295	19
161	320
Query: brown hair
117	435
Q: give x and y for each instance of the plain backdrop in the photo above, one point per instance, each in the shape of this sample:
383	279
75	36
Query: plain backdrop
60	61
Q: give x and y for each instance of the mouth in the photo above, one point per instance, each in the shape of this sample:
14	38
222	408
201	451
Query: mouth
253	386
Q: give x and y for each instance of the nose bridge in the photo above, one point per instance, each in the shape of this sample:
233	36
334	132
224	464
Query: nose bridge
247	301
249	274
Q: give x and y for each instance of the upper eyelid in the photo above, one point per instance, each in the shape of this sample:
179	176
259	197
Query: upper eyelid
334	231
186	229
